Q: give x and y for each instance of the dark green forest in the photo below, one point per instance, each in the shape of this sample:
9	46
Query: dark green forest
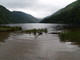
68	15
7	16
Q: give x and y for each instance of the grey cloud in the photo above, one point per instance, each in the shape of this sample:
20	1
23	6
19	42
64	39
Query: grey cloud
18	3
35	7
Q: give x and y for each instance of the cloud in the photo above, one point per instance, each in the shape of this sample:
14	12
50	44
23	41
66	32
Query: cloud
17	3
38	8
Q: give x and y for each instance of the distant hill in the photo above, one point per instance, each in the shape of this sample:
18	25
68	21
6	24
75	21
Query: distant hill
7	16
68	15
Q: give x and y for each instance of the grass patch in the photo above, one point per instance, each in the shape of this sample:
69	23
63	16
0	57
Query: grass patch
9	29
35	31
70	36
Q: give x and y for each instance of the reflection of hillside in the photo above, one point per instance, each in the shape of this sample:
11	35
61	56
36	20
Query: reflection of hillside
3	36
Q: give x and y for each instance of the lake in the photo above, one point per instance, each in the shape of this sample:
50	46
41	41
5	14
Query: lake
17	46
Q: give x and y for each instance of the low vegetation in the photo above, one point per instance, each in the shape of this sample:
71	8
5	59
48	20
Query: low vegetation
70	36
6	30
35	31
9	29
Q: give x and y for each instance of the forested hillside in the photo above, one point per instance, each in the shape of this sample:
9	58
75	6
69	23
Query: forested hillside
69	15
7	16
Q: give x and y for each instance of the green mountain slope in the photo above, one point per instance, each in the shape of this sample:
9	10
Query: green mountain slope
7	16
69	15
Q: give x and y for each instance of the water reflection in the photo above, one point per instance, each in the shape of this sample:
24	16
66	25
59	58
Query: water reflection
45	47
34	26
28	26
4	36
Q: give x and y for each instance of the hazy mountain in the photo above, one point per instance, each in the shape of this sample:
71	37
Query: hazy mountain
70	14
7	16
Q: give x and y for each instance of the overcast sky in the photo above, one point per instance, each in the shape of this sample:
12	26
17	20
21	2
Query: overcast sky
37	8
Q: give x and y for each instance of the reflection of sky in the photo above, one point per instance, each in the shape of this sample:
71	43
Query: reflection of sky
38	8
32	25
71	47
50	27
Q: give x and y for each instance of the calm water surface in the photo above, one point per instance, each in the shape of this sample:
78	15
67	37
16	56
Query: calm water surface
14	46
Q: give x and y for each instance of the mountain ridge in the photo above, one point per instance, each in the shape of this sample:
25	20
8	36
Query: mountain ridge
7	16
68	15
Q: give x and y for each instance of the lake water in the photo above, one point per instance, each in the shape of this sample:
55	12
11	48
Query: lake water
14	46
